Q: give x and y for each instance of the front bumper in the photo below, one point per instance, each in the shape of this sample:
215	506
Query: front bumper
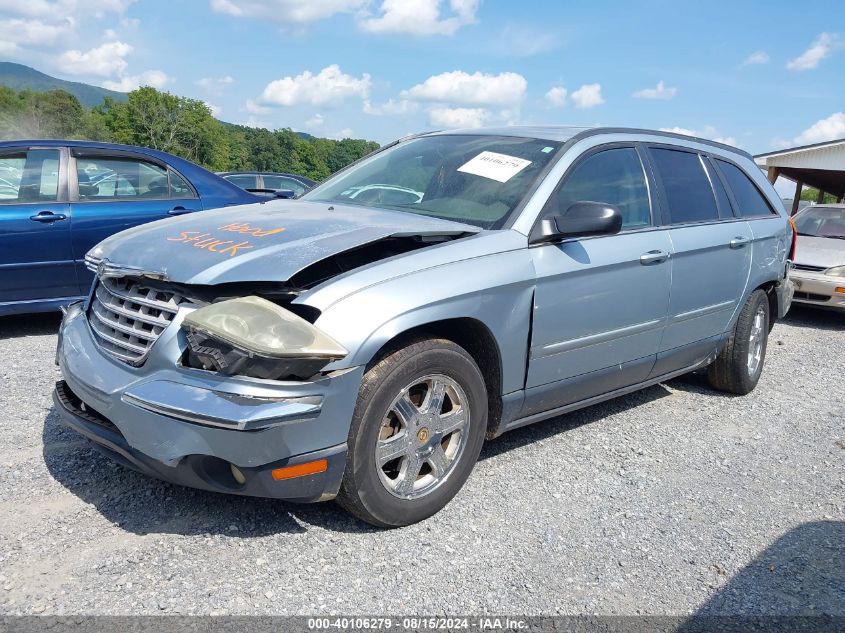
818	289
188	426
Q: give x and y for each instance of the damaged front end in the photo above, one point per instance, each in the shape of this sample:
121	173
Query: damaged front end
249	328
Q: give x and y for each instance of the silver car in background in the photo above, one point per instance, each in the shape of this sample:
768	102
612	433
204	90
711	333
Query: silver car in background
364	347
819	266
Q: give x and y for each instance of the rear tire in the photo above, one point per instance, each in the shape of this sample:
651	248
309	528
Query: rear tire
738	367
416	433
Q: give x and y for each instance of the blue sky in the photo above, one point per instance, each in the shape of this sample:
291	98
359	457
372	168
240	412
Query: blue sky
760	75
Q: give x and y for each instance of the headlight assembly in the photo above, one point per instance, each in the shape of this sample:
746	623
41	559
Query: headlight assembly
836	271
251	336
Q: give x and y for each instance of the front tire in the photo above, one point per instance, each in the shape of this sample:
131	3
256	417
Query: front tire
418	428
738	367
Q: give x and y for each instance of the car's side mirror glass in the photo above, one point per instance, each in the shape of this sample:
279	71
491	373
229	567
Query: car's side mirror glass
581	219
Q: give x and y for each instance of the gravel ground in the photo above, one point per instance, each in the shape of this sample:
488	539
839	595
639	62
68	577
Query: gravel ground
672	500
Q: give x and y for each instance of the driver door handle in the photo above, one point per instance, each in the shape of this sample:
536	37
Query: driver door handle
47	217
180	210
653	257
739	241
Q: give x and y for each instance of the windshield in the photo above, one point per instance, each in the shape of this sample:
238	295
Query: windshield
479	180
821	222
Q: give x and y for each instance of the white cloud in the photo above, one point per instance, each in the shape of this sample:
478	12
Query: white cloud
421	17
525	42
105	60
215	85
833	127
443	117
556	96
253	107
285	11
659	92
216	110
16	32
822	47
389	107
330	85
708	132
59	10
757	57
127	83
587	96
317	125
316	122
476	89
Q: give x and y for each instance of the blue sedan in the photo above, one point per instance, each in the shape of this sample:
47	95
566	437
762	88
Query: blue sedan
60	198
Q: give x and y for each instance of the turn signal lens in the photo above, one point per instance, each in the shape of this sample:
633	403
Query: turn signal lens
841	291
300	470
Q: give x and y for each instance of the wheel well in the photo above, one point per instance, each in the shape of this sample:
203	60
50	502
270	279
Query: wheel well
770	288
476	339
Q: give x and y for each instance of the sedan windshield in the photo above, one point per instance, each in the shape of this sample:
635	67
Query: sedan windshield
822	222
479	180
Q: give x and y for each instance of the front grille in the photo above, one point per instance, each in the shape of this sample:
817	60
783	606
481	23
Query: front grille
814	269
127	317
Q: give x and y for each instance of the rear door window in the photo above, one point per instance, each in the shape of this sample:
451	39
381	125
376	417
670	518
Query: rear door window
750	201
688	193
29	176
119	177
725	209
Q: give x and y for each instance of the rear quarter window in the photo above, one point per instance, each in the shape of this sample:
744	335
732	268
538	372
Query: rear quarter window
750	201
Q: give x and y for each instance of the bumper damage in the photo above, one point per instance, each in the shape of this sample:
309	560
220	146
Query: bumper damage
191	427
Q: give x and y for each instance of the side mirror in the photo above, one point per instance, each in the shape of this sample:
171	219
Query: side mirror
581	219
286	194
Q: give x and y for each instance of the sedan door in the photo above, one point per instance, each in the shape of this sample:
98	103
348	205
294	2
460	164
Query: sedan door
113	191
600	303
36	259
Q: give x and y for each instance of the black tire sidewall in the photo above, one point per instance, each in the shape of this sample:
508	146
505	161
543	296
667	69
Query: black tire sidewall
742	342
381	385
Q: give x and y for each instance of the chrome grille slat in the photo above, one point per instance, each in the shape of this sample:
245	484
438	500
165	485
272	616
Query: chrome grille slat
103	333
808	268
97	311
108	300
127	317
142	298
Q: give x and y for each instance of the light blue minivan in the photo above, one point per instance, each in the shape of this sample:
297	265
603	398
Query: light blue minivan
363	347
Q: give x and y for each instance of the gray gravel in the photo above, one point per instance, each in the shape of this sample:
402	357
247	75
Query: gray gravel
673	500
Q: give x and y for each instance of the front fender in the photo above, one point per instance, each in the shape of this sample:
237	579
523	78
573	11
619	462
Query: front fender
496	290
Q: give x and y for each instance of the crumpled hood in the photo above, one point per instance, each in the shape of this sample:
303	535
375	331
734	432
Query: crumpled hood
820	251
271	241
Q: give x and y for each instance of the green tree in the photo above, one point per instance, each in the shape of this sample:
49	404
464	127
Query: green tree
178	125
30	114
811	193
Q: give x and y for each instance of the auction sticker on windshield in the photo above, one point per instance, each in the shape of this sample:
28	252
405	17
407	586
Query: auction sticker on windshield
500	167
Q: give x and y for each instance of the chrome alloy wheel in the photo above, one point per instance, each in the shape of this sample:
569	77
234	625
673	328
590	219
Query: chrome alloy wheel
755	345
422	437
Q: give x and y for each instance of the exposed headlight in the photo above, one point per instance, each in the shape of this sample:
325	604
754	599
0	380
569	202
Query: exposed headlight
255	337
836	271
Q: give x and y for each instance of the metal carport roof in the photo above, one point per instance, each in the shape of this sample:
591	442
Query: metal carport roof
821	165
